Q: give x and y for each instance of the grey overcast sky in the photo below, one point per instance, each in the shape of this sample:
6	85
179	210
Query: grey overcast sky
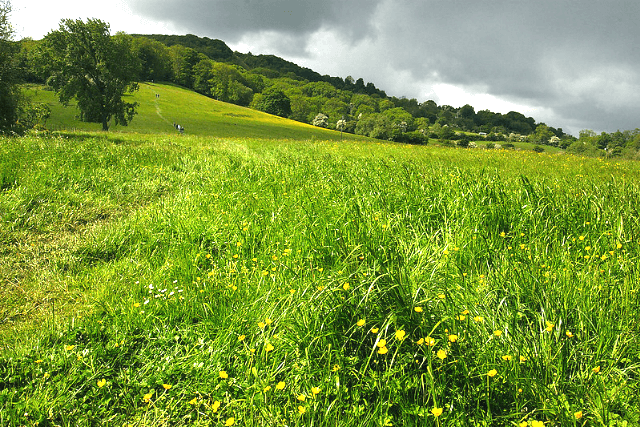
573	64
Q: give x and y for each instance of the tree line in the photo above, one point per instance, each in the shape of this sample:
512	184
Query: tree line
264	82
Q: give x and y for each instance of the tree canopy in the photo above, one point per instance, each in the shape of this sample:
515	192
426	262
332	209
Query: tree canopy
84	61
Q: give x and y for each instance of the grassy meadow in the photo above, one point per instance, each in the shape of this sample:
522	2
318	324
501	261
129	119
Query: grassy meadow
156	280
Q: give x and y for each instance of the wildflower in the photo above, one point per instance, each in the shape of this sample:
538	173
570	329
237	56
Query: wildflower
374	330
230	421
479	319
441	354
261	325
535	423
267	388
523	424
430	341
497	333
193	401
69	347
418	309
102	382
315	390
492	373
147	397
436	412
506	358
302	398
453	338
618	245
465	312
549	327
503	234
346	286
442	296
596	370
420	341
523	359
383	350
581	238
268	321
569	334
215	406
301	410
136	305
280	385
400	335
269	347
360	322
335	368
241	337
166	386
461	317
382	343
224	375
578	415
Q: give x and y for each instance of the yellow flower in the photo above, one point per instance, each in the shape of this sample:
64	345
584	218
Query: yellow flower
400	335
497	333
523	359
461	317
549	327
241	337
479	319
374	330
581	238
441	354
301	410
453	338
360	322
430	341
268	321
465	312
506	358
230	421
346	286
436	412
523	424
280	385
69	347
596	369
224	375
267	388
269	347
492	373
147	397
578	415
315	390
102	382
383	350
166	386
261	325
215	406
136	305
193	401
382	343
619	245
420	341
535	423
442	296
418	309
302	398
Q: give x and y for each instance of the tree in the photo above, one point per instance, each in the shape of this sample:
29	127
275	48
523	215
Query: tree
274	101
9	94
87	63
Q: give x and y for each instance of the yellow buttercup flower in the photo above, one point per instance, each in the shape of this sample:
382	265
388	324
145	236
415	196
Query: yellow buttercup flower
569	334
301	410
492	373
383	350
315	390
224	375
436	412
230	421
400	335
596	369
441	354
215	406
506	358
266	389
418	309
453	338
147	397
479	319
241	337
374	330
280	385
497	333
166	386
420	341
535	423
269	347
102	382
360	322
69	347
346	286
382	343
430	341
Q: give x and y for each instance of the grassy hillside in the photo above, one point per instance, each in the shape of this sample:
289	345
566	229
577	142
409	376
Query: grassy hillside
150	280
198	114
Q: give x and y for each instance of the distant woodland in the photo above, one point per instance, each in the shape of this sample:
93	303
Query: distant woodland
274	85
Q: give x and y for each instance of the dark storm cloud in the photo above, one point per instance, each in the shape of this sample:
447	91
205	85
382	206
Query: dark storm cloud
578	59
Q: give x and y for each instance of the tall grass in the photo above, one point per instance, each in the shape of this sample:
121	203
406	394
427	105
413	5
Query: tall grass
260	282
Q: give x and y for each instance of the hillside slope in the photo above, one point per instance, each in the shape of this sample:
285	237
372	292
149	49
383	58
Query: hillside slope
198	114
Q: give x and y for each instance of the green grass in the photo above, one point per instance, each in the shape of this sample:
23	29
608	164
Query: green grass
135	268
199	115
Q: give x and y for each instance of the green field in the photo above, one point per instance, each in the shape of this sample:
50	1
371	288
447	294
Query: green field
199	115
266	276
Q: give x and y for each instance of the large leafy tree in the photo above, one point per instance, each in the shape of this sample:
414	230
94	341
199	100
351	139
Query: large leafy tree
87	63
9	95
